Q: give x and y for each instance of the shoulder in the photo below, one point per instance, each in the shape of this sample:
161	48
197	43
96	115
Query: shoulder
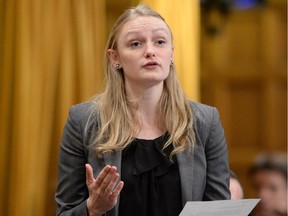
82	117
82	108
82	112
202	112
205	119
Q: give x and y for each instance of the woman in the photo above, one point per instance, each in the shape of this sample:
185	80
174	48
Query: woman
146	148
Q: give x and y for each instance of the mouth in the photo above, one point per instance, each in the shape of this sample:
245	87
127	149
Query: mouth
151	64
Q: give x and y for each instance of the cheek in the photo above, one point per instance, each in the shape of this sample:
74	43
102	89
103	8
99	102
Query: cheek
130	67
168	63
129	59
168	58
283	193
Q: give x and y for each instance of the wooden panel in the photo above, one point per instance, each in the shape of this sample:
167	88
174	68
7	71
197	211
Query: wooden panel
243	74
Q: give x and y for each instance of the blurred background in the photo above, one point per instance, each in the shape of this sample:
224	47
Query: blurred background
231	54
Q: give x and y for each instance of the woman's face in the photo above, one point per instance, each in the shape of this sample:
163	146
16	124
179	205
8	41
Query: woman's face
144	51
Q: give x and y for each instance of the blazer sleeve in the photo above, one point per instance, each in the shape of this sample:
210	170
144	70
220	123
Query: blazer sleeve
72	193
216	153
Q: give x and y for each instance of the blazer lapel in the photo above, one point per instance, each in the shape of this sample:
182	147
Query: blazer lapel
113	159
186	165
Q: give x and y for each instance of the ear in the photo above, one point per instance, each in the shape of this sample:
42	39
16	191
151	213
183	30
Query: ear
172	54
113	56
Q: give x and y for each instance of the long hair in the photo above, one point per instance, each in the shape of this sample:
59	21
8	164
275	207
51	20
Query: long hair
115	112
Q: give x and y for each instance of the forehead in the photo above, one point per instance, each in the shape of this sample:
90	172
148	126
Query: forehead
144	24
270	176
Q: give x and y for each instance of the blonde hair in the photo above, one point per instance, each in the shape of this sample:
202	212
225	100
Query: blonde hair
114	111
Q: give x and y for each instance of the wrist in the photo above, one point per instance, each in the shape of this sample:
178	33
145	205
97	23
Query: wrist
91	211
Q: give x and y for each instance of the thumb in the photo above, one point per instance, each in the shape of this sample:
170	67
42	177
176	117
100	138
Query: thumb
89	174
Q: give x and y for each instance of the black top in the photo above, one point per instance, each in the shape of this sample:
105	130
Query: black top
151	181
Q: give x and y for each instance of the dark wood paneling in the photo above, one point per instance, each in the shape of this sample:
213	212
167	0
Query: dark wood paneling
243	74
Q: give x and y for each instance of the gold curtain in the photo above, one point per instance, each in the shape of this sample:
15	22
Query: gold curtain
51	55
183	17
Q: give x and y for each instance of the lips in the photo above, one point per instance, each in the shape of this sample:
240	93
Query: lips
150	64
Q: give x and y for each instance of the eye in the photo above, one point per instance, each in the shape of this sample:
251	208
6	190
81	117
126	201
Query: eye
135	44
160	42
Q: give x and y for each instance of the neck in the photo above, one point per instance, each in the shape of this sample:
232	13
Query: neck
147	98
148	110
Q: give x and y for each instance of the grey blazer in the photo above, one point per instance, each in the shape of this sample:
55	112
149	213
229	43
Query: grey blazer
204	173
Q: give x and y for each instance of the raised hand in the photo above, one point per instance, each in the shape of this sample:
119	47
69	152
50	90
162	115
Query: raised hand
103	191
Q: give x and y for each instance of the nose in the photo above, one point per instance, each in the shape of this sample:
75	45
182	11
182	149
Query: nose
149	52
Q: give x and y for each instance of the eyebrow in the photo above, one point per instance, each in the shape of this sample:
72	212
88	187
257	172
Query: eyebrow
153	31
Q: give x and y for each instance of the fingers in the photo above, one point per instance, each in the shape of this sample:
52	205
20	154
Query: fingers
117	191
89	174
111	184
105	175
104	190
106	180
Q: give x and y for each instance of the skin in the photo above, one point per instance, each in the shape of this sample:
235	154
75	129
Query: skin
235	189
142	42
103	191
145	52
271	188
